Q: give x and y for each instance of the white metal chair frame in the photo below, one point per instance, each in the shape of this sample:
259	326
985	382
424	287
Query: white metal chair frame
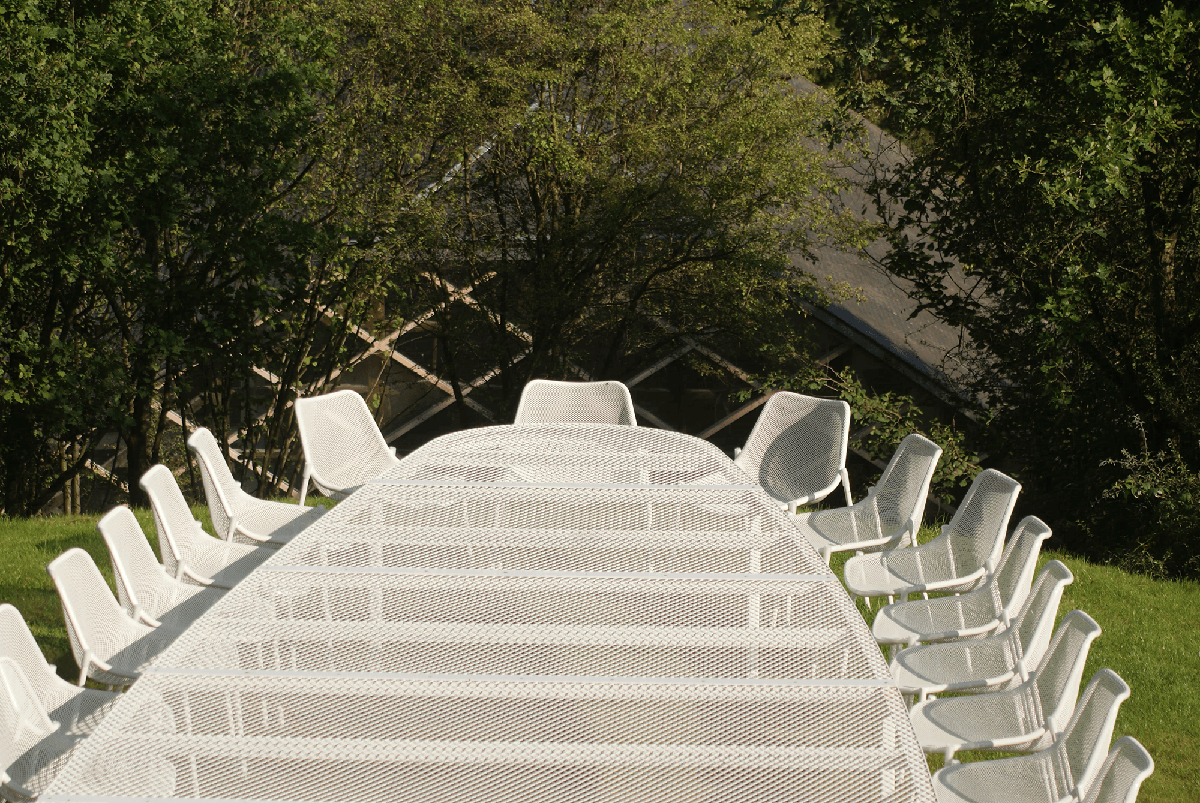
961	558
189	554
888	515
1119	779
33	747
1022	719
791	471
109	646
145	590
549	401
1062	773
78	710
366	453
991	607
1009	656
231	508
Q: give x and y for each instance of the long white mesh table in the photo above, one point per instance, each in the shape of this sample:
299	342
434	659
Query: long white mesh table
550	613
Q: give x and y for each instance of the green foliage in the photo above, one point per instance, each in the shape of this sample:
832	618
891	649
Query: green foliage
1159	494
891	417
1049	208
149	177
661	166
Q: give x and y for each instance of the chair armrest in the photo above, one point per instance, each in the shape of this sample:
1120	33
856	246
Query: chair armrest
939	585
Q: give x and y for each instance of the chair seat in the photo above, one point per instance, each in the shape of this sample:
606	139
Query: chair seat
81	713
898	572
1000	660
260	521
979	722
984	610
854	527
939	619
130	660
936	668
180	604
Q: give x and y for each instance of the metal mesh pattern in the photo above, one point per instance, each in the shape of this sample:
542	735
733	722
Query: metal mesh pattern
956	560
1051	775
143	588
891	510
188	553
77	710
1028	717
32	750
977	612
641	530
544	401
569	454
1127	765
997	660
343	447
478	642
109	646
797	449
577	627
238	516
222	737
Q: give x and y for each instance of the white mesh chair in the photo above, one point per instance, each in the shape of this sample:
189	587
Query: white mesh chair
343	447
545	401
1062	772
78	710
144	589
33	748
1121	776
976	613
797	449
109	647
962	557
1023	719
238	516
1000	660
891	512
189	554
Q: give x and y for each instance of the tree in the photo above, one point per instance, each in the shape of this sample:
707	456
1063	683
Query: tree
659	168
1050	208
150	174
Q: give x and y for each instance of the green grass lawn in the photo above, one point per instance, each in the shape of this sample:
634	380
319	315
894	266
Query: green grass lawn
1150	637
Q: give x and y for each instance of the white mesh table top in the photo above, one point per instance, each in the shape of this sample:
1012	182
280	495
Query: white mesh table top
550	640
565	454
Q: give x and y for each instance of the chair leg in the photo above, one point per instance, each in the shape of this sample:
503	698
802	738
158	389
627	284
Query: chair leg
304	483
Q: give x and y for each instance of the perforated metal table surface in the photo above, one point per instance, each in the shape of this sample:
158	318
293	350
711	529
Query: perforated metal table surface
546	612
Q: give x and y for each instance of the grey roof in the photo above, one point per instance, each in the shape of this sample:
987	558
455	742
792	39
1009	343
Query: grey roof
885	316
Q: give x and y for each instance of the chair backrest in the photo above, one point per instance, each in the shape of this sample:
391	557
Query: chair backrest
221	490
1086	737
546	401
1118	781
1057	677
23	720
1014	572
1031	629
139	577
89	607
172	517
976	532
902	490
798	445
342	443
18	644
